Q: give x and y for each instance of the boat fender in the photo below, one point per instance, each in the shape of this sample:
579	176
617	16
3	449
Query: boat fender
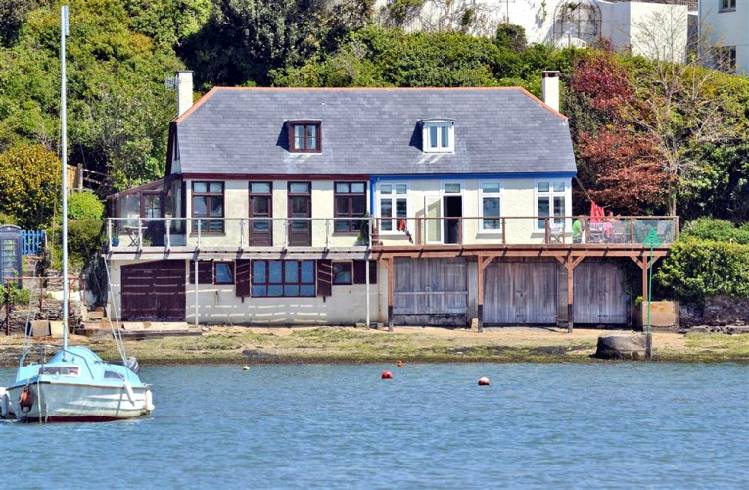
26	399
4	404
129	391
149	401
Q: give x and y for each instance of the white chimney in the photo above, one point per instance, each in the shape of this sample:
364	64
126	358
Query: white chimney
184	91
550	89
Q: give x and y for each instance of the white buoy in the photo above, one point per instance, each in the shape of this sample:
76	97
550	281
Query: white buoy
484	381
245	368
4	404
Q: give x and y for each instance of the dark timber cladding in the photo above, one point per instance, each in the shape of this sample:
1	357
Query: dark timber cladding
153	291
430	292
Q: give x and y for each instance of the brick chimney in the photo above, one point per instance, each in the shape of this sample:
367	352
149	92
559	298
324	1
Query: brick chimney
550	89
184	91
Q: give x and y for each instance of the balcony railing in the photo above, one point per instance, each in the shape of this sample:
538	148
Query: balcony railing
127	234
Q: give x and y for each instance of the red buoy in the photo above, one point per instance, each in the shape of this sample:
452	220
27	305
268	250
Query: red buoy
484	381
399	363
387	375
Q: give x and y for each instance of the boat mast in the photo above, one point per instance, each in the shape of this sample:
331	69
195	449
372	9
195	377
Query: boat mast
64	30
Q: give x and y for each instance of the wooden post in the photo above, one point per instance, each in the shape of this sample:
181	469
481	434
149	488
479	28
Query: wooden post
391	289
483	263
570	263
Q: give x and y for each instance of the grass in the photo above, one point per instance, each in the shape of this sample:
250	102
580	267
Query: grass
353	345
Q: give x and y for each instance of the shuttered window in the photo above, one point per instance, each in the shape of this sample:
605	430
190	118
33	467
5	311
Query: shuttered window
360	273
324	278
205	272
243	277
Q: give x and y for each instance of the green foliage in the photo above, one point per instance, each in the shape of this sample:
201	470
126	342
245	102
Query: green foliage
30	178
696	269
11	294
85	206
511	36
85	240
717	230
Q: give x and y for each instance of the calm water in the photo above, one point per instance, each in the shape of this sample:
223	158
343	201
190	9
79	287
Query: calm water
552	426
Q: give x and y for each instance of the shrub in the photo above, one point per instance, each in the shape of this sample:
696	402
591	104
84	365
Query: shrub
85	239
511	36
85	205
696	269
717	230
11	294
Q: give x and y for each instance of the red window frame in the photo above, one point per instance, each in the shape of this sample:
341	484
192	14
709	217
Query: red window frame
292	139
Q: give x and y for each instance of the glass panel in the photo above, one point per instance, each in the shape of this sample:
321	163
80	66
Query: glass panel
452	188
258	271
434	226
307	290
275	290
260	225
292	271
490	187
131	208
224	273
400	188
558	207
543	187
275	271
357	187
558	186
445	136
433	136
342	187
259	291
260	187
491	210
358	205
308	271
152	206
311	137
200	206
543	210
217	187
342	205
291	290
386	188
386	211
400	208
341	272
261	206
299	137
200	186
217	207
299	187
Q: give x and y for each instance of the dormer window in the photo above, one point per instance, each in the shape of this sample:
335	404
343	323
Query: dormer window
438	136
304	136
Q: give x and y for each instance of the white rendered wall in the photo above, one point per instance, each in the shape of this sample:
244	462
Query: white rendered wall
727	29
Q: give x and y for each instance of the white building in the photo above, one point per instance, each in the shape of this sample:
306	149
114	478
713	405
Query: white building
645	27
724	31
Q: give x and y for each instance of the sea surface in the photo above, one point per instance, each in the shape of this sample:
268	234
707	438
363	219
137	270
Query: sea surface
620	425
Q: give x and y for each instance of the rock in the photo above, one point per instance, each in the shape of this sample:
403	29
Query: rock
360	325
620	347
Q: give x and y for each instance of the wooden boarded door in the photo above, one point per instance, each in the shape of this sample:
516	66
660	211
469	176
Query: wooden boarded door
600	294
520	293
430	292
153	291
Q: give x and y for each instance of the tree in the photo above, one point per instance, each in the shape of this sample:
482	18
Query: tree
511	36
30	179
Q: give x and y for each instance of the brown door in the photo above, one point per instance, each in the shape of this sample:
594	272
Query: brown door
300	206
153	291
261	210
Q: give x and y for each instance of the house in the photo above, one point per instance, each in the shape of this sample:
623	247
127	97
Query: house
724	36
642	27
393	205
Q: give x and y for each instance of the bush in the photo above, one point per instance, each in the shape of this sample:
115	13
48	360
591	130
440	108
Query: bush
696	269
85	240
85	205
13	295
511	36
717	230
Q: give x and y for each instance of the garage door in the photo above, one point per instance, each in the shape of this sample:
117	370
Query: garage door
600	294
430	292
154	291
520	292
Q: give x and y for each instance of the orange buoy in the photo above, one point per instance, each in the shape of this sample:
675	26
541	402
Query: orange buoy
484	381
399	363
386	375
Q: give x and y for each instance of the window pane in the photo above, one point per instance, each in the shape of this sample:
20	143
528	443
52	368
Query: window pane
559	206
386	188
200	186
292	271
543	210
491	207
400	188
357	187
260	187
259	291
217	207
224	273
358	205
275	271
543	187
275	290
433	136
341	272
400	208
200	206
558	186
299	187
308	271
386	208
299	137
342	187
258	271
308	290
217	187
452	188
291	290
490	187
311	137
342	205
445	136
261	205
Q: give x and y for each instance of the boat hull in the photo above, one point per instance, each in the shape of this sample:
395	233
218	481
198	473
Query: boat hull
73	402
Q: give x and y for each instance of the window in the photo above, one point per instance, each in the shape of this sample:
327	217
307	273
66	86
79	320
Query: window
208	202
151	205
261	212
725	58
490	205
283	278
342	273
452	188
393	204
550	201
727	5
350	202
223	273
304	137
59	370
438	136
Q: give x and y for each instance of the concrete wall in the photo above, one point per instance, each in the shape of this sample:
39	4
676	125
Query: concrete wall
726	29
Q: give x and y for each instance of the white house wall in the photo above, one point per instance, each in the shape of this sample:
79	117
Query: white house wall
726	29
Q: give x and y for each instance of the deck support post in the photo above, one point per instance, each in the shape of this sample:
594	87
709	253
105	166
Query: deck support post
197	295
645	263
570	263
482	262
389	265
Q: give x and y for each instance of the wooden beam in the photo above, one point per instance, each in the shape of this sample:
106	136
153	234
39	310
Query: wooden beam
391	289
482	263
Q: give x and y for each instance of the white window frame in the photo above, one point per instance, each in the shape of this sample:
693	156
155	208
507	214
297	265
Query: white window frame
439	147
393	197
551	194
482	195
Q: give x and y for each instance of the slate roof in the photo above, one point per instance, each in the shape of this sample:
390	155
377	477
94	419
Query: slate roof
372	131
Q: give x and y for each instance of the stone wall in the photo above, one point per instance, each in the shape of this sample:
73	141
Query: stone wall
717	311
51	310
